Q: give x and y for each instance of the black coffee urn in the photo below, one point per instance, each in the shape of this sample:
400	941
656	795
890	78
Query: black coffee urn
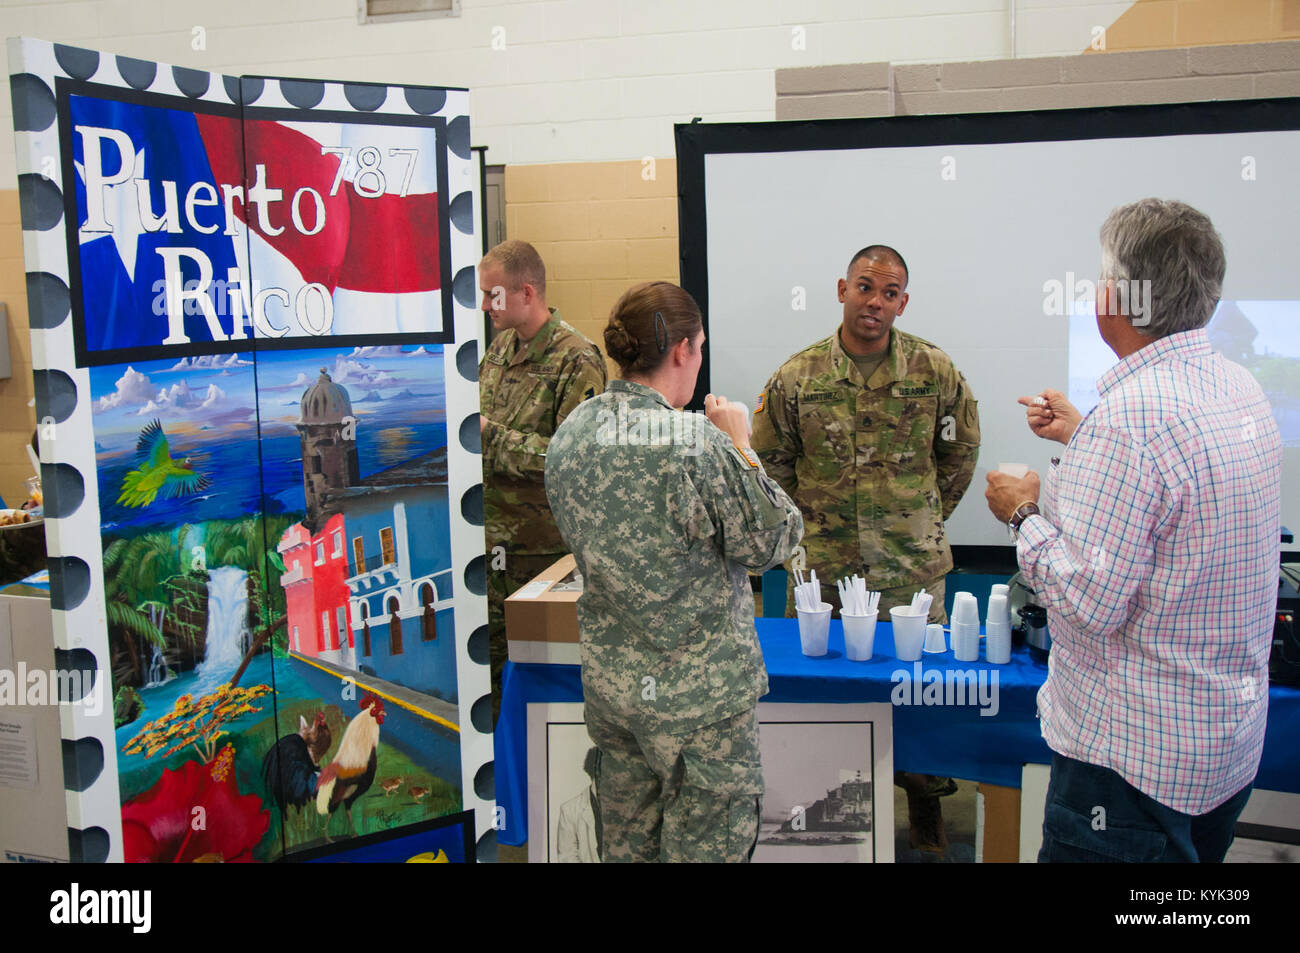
1039	640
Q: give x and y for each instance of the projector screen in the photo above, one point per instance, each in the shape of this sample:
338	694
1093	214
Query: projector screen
998	218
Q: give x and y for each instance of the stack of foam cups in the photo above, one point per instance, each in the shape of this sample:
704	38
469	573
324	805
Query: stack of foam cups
997	631
965	628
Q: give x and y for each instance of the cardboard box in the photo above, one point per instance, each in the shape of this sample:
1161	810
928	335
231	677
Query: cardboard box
542	620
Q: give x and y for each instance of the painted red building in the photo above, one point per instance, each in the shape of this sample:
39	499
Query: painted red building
378	606
316	564
316	592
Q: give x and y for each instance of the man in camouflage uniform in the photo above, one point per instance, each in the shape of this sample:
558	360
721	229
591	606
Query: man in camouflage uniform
875	434
535	372
665	534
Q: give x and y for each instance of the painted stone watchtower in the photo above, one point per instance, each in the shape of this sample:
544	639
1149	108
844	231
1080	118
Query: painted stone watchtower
327	430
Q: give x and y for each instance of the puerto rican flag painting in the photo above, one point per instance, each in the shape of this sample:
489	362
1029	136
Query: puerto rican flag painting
199	231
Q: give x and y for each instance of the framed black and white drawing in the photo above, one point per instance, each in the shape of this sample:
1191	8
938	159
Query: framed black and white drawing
828	772
829	775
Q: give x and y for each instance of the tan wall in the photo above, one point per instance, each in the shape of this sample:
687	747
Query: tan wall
1161	24
17	420
600	227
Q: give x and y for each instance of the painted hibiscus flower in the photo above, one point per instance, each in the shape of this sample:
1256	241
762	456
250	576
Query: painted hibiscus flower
194	813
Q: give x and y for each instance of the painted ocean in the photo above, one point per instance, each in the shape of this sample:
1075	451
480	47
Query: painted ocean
232	466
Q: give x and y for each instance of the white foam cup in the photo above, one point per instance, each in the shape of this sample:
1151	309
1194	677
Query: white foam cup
966	609
998	611
997	644
935	640
965	641
859	635
814	629
909	633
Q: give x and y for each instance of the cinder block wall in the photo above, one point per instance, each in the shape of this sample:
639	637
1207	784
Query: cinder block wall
1136	66
17	419
600	227
584	80
1248	71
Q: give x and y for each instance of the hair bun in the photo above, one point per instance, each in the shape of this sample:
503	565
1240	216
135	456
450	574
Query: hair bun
620	345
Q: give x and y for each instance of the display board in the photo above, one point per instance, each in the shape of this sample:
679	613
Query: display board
998	218
254	337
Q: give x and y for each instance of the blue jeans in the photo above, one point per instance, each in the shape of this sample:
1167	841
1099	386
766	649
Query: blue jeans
1094	815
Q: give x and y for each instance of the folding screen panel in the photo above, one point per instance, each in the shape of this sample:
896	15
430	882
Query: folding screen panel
253	319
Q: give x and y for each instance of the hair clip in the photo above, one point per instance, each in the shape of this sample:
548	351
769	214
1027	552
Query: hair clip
662	342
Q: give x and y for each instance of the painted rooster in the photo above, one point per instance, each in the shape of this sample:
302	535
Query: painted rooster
352	771
289	769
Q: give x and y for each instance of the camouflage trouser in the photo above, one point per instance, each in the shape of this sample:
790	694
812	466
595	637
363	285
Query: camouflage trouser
678	798
902	596
500	584
889	598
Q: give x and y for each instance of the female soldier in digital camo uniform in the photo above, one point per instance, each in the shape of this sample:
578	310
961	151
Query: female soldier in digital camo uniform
666	514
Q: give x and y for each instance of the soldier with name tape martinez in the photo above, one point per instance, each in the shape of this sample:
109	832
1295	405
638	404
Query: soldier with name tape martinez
535	372
874	433
667	513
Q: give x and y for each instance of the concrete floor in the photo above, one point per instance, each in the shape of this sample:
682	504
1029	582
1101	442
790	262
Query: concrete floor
1245	851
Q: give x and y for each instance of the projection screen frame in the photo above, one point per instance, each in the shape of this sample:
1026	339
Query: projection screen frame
697	140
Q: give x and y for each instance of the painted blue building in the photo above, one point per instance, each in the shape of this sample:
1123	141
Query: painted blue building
400	575
394	593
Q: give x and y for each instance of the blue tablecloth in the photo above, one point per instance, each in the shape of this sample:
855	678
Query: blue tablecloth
945	739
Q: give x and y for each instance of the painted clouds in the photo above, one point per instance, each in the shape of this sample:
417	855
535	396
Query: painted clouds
370	374
181	392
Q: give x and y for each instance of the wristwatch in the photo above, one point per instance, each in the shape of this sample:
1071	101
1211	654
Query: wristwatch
1023	512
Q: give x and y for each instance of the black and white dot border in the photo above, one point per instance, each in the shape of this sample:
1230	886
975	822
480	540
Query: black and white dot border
68	464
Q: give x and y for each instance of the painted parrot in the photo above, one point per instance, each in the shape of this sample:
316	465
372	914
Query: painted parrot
158	472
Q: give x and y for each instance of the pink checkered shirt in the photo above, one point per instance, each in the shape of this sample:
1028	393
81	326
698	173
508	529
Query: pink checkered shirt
1157	558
